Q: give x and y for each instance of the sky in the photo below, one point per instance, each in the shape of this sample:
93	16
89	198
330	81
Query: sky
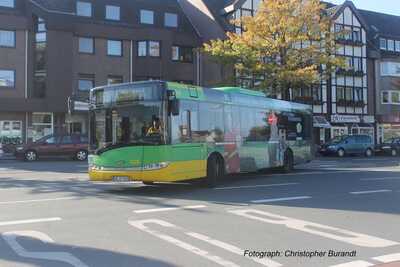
384	6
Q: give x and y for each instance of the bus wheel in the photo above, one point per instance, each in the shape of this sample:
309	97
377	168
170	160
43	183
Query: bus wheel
288	162
214	171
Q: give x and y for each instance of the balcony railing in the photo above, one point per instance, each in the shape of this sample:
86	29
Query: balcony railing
350	72
350	103
309	100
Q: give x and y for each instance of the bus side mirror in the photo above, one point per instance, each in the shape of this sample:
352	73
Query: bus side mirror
174	107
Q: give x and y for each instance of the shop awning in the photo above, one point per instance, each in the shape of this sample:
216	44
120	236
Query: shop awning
321	122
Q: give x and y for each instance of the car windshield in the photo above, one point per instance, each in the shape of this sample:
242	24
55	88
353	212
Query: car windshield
338	139
141	123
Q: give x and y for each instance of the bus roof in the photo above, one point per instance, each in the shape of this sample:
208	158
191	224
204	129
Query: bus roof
234	95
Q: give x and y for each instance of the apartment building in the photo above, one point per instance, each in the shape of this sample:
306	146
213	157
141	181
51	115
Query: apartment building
52	51
362	98
384	71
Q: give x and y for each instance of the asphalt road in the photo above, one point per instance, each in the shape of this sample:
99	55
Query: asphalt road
50	215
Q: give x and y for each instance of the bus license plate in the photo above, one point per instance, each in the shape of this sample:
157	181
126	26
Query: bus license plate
120	179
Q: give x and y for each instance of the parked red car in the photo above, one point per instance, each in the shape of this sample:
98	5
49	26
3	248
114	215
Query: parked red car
73	146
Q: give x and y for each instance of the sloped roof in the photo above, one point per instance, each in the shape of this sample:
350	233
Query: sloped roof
384	24
203	19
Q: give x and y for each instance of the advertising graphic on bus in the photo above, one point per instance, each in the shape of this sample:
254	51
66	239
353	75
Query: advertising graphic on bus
157	131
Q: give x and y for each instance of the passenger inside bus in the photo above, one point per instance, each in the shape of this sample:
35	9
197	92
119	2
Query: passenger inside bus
155	128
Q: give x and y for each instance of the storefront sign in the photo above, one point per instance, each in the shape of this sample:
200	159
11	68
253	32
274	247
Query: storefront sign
345	119
369	119
81	106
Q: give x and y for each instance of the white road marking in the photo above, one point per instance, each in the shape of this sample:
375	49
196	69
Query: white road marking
30	221
370	192
354	264
343	235
205	254
233	249
380	179
37	200
279	199
169	209
388	258
11	239
254	186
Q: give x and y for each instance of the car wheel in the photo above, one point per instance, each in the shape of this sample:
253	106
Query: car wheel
341	153
81	155
214	171
368	153
31	155
393	153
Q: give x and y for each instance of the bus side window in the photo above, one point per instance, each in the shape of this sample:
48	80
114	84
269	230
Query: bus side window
185	126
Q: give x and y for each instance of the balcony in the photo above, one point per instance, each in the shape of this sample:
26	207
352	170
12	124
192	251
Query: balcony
308	100
349	42
350	103
350	72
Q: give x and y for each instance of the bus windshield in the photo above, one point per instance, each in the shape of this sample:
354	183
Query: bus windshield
140	123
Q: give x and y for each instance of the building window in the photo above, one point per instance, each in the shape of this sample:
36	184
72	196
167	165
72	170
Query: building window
349	63
397	46
390	69
358	94
357	64
356	35
42	125
142	48
7	78
85	82
340	93
86	45
390	44
171	20
149	48
7	38
395	98
383	43
385	97
146	16
154	48
114	79
7	3
391	97
114	48
84	9
113	12
183	54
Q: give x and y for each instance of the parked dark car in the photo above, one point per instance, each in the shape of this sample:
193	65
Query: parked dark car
349	145
390	147
73	146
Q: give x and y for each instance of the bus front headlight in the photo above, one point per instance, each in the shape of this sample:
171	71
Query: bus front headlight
155	166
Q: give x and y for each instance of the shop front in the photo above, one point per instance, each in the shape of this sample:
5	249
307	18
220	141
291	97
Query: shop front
321	130
388	127
352	125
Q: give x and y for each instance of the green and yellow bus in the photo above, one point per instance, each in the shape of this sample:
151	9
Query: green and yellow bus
158	131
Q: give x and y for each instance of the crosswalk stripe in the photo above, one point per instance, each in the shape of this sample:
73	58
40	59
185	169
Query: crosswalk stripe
326	231
388	258
170	209
354	264
233	249
259	201
205	254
